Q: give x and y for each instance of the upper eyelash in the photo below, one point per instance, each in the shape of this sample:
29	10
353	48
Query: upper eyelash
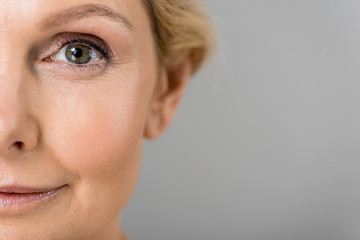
83	40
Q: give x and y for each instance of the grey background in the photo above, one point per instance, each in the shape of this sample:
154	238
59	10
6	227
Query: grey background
266	142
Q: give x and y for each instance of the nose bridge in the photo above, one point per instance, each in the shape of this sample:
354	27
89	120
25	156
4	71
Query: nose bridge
10	97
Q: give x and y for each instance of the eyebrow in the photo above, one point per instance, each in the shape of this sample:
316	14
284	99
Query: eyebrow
83	11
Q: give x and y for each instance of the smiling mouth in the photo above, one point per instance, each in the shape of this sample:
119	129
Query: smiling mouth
19	197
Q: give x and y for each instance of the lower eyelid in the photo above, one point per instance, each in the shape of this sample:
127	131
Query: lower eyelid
66	68
90	66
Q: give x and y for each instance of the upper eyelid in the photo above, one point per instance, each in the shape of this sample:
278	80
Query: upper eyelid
104	50
45	50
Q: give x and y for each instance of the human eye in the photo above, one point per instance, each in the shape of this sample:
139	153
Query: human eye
80	51
77	54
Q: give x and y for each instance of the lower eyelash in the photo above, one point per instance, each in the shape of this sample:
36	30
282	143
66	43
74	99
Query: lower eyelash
69	68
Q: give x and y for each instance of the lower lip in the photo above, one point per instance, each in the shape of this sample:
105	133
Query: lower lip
18	200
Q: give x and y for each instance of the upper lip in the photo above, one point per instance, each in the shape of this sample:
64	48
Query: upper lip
26	190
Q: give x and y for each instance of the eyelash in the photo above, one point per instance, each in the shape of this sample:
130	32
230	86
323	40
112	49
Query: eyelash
91	41
103	50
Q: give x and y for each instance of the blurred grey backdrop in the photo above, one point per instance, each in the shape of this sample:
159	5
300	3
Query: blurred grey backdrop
266	142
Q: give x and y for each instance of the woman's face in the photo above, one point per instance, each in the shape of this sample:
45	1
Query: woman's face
77	79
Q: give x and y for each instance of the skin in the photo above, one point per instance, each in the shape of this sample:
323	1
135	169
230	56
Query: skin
78	127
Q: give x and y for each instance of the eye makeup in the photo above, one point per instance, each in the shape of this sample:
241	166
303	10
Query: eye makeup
62	40
97	44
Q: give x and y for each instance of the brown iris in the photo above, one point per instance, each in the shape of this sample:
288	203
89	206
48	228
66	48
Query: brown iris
78	54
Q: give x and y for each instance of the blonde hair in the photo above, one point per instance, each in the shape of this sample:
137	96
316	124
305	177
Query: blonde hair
180	28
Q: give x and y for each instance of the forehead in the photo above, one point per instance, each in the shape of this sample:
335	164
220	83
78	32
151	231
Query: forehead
24	12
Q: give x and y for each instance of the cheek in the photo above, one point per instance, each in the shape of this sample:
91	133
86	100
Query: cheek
95	131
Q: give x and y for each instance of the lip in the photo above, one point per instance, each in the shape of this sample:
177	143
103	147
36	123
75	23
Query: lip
21	197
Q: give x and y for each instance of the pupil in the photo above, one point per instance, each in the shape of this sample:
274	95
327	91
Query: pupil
77	52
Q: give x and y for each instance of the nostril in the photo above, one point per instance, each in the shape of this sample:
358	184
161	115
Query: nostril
19	145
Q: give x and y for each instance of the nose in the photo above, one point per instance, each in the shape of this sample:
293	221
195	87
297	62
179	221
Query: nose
18	131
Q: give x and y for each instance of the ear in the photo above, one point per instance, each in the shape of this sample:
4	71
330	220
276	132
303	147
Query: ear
167	95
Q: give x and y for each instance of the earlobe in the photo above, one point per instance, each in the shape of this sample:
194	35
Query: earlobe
167	96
